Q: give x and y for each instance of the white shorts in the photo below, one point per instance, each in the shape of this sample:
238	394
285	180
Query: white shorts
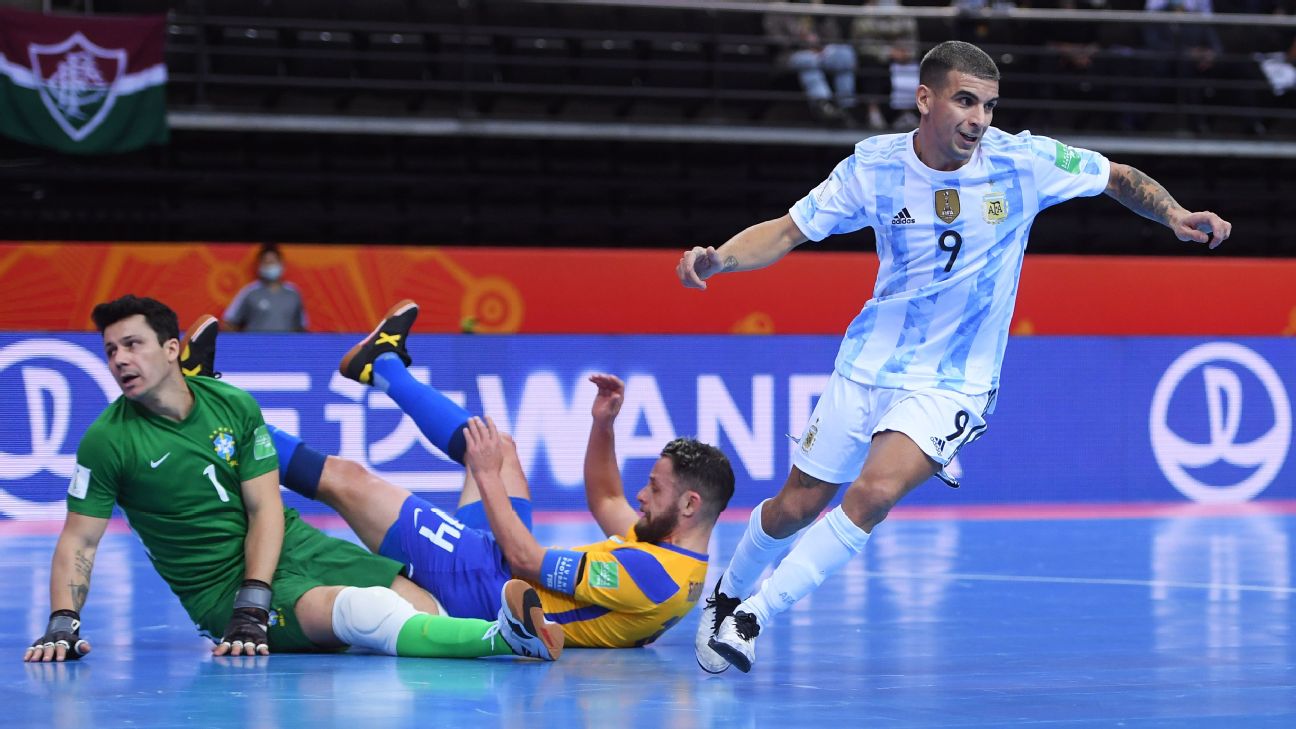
849	414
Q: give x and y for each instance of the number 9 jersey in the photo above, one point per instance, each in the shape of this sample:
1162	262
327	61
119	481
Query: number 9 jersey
950	246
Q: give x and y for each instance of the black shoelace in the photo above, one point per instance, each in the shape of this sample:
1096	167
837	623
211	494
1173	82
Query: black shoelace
746	626
724	607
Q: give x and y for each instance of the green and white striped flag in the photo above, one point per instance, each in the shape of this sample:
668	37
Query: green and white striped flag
82	84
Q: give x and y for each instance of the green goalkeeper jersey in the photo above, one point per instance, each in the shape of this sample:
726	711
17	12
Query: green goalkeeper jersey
179	484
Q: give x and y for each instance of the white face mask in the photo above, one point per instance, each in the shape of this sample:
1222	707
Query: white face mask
270	272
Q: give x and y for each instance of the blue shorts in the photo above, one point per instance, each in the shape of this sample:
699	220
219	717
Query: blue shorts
455	557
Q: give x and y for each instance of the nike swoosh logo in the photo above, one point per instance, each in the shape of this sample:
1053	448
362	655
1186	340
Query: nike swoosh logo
158	462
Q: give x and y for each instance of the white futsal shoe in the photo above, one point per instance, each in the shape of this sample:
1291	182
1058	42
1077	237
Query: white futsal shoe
735	640
716	608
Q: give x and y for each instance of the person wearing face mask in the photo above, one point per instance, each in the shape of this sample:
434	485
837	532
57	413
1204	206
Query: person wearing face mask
268	304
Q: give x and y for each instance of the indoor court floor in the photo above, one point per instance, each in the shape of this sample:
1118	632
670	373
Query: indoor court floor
998	617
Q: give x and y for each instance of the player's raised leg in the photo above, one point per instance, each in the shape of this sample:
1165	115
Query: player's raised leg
381	360
368	503
198	348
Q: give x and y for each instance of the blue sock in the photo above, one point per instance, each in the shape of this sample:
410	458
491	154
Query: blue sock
300	466
440	418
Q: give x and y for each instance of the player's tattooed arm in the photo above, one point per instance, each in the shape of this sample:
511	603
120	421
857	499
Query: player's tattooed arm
79	585
74	558
730	263
1142	194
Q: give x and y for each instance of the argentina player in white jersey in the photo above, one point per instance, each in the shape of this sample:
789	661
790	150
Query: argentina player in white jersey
915	378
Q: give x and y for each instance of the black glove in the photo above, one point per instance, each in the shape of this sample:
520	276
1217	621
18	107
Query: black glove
64	629
246	631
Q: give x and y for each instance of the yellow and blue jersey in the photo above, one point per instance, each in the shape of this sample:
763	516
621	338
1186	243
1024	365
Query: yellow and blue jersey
621	592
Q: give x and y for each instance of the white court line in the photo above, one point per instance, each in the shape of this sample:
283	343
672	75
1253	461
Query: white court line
980	577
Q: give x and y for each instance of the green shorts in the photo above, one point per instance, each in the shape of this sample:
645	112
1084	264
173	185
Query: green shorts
308	560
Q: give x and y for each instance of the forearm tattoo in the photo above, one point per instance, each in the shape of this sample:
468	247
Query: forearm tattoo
1142	194
730	263
80	584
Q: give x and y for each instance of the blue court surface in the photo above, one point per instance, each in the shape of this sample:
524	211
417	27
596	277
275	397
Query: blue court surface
1153	618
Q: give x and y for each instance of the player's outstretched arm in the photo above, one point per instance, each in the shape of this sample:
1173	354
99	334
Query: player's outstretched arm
70	569
1145	196
484	457
756	247
604	493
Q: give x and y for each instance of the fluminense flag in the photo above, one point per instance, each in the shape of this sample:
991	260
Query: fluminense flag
82	84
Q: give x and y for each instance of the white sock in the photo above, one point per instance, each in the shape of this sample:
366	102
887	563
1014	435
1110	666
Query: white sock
754	552
828	544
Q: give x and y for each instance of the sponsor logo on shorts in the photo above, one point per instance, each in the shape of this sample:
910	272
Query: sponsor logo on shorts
939	443
808	440
1260	458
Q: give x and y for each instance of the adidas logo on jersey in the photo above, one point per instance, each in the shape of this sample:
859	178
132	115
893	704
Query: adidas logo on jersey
903	218
939	443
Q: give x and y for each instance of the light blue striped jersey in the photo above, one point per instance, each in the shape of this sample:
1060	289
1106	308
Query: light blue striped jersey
950	246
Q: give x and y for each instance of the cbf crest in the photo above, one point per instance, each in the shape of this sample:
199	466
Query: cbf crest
223	443
947	204
77	81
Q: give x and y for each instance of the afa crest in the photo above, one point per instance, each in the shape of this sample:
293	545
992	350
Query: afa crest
223	443
808	440
994	208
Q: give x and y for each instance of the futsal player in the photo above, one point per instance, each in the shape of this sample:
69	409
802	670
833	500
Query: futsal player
622	592
917	372
192	466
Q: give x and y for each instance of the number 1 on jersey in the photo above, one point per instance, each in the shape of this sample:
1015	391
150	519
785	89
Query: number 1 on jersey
210	472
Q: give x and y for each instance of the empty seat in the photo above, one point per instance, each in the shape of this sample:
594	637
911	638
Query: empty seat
537	60
322	53
246	51
677	63
607	62
391	55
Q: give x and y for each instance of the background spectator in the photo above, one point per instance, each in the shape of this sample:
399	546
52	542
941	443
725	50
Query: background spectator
268	304
813	47
1189	53
892	44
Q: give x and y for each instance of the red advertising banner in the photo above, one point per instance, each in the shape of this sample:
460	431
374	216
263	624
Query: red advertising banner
53	286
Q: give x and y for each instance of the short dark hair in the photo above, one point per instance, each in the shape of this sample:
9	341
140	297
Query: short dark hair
161	319
955	56
702	468
269	248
